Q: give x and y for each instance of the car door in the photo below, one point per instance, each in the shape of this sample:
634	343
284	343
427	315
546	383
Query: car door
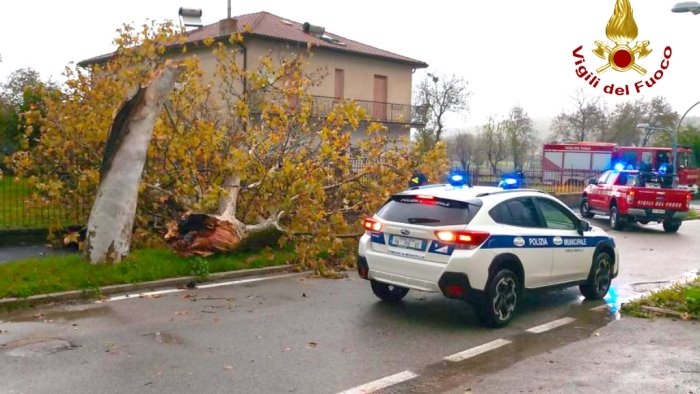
569	258
595	197
607	190
522	233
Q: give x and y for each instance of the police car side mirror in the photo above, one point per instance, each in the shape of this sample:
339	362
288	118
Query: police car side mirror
592	181
583	226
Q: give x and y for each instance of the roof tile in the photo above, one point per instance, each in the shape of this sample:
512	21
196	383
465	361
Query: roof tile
267	25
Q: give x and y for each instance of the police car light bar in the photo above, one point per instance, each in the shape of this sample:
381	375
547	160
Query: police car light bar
510	183
458	178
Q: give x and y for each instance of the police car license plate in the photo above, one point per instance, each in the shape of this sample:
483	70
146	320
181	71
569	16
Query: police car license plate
658	211
405	242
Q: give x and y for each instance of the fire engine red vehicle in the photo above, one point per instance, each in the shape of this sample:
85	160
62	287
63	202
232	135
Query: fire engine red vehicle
574	162
632	196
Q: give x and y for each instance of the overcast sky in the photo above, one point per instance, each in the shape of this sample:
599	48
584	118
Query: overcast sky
512	52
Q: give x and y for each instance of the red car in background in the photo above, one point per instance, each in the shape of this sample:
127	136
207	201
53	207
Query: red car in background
633	196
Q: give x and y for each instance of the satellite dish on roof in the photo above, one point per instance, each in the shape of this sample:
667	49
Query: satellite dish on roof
190	17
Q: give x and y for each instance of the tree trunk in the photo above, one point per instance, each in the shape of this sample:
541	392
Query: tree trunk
111	220
227	203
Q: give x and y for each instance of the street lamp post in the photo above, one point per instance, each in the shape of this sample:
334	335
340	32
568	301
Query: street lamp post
674	134
678	127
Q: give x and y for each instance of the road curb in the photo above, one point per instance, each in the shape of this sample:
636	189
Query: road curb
72	295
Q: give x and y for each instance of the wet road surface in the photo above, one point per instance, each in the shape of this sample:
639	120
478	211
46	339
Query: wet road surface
305	335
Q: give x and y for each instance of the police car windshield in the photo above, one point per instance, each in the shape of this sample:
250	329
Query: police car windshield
411	209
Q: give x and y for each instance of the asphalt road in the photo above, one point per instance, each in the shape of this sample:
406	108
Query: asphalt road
303	335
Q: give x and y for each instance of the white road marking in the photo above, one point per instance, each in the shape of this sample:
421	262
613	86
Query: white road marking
138	295
600	307
381	383
550	325
475	351
207	286
241	281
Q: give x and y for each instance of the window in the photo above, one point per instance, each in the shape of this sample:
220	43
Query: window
662	158
611	178
379	107
339	83
686	160
626	179
630	158
603	178
428	212
516	212
556	216
645	165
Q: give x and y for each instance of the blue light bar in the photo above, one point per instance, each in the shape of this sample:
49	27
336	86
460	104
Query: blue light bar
619	166
663	168
509	183
458	178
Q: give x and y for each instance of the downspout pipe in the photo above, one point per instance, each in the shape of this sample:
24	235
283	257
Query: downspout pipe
245	66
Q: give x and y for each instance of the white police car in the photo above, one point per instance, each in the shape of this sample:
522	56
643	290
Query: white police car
484	245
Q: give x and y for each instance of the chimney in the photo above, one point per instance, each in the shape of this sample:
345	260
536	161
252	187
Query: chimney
227	26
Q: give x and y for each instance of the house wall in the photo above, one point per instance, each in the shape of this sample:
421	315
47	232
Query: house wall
359	74
359	71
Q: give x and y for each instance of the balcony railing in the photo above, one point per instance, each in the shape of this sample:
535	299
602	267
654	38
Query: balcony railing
376	111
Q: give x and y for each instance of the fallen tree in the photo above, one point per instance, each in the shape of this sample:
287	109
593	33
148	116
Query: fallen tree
111	221
244	155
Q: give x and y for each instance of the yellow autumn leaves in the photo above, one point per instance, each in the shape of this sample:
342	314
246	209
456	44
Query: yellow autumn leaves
259	123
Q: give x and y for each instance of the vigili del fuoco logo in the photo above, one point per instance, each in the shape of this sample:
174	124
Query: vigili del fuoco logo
621	55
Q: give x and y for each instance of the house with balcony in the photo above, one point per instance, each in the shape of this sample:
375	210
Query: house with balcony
376	79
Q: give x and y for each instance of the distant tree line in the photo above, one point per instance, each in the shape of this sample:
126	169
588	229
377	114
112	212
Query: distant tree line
21	92
511	142
590	119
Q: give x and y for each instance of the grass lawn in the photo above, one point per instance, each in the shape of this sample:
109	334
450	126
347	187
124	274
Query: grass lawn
15	213
69	272
681	297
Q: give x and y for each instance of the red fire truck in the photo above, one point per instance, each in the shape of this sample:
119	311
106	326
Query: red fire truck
576	162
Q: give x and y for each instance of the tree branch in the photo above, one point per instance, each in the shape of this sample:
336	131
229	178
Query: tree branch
351	179
267	224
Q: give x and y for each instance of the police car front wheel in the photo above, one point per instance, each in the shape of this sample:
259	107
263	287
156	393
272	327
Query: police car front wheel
389	293
600	278
501	300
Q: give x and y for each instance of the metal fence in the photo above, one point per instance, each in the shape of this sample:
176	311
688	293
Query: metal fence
564	181
18	210
377	111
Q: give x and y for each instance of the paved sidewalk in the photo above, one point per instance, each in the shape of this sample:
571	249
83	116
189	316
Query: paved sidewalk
627	356
26	250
